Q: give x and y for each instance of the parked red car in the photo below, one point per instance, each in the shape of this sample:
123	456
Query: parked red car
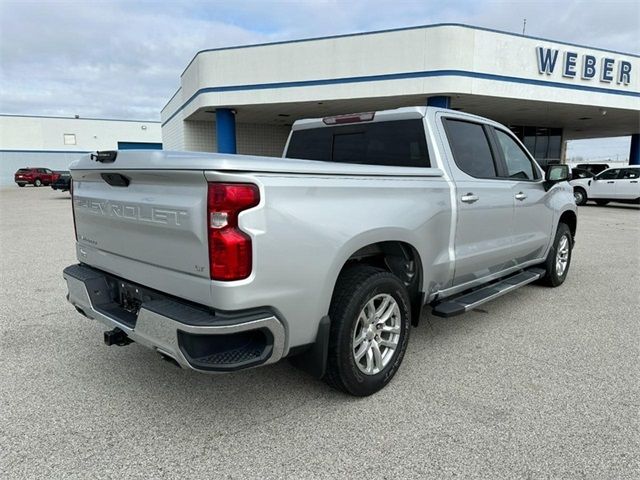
35	176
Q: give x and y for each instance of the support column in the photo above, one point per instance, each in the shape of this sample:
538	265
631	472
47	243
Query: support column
563	151
226	130
439	101
634	151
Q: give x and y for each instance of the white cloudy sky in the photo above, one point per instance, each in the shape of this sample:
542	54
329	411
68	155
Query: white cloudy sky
123	59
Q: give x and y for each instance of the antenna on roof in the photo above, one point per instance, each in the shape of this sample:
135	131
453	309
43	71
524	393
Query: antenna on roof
524	25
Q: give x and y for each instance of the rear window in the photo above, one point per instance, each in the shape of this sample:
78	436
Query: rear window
23	170
396	143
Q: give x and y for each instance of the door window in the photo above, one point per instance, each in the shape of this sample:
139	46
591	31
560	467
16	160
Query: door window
609	174
629	173
470	147
519	166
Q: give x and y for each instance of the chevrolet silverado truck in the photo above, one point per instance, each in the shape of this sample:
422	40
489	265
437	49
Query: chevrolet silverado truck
327	255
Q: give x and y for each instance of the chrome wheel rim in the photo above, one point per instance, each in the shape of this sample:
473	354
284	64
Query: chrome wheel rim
577	196
377	333
562	256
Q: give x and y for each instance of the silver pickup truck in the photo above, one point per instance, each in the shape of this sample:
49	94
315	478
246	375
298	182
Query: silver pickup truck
327	255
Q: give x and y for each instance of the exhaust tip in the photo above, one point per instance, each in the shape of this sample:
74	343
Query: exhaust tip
168	358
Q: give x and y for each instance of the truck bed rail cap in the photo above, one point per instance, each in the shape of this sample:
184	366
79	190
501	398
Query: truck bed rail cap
167	160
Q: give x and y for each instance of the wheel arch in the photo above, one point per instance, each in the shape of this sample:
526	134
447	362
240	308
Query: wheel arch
399	257
569	218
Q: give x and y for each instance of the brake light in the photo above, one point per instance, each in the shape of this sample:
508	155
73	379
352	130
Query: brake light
350	118
73	209
230	256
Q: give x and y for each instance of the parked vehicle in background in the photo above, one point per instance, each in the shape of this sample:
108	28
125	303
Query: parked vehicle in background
62	181
594	168
612	185
223	262
34	176
577	173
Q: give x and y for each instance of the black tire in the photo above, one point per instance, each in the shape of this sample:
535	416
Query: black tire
551	277
21	184
37	182
602	203
354	289
580	196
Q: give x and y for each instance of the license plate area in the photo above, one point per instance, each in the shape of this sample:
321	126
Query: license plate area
119	299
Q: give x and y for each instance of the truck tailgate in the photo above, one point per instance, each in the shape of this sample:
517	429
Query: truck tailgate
158	219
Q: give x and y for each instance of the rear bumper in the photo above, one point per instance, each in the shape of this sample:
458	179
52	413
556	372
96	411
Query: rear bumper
194	336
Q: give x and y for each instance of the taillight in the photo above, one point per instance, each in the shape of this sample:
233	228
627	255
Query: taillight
73	209
229	247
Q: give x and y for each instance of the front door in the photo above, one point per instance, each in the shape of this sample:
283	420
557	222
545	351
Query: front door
605	184
532	214
483	243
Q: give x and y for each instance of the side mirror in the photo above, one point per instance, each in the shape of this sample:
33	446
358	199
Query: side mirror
556	174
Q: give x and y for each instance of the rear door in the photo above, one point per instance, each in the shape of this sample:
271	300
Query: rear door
532	214
604	185
627	186
484	229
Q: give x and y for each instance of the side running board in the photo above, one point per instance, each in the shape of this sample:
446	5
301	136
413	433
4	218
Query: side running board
451	307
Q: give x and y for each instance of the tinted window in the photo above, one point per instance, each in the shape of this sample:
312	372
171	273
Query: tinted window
630	173
580	173
518	164
23	170
400	143
609	174
470	148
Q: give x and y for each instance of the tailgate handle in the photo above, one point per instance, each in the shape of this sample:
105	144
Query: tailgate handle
115	179
106	156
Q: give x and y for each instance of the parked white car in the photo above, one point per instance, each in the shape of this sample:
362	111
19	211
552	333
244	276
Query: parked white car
613	185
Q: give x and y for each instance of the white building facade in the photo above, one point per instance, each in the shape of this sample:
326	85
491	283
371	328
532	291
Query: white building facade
244	99
54	142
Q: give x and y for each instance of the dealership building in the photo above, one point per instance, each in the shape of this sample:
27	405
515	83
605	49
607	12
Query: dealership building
55	142
244	99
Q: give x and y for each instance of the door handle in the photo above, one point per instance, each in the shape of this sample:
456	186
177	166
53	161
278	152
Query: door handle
633	181
469	198
611	181
520	196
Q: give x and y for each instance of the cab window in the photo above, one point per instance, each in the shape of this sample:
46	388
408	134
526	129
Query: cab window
395	143
519	165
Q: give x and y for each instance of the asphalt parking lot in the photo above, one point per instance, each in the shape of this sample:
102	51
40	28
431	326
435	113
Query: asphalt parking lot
542	383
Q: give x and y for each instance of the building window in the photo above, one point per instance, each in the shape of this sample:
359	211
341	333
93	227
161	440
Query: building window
542	142
69	138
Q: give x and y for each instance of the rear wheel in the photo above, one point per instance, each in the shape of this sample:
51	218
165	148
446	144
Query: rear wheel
580	196
37	182
370	317
602	203
559	258
21	184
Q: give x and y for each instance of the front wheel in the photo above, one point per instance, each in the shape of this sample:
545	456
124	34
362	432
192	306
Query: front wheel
559	258
370	317
580	196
